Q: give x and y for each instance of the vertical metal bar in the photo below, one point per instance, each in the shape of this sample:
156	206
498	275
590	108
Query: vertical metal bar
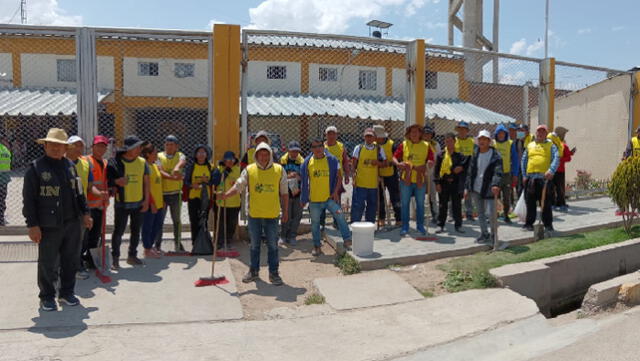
496	36
86	83
210	115
244	92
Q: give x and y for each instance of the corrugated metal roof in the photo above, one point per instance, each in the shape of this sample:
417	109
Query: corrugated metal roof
367	108
336	43
40	101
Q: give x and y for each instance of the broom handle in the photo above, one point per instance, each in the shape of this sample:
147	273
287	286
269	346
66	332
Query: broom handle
494	220
215	240
544	196
224	206
104	235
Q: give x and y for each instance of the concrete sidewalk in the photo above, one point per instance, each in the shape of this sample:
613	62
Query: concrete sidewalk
390	248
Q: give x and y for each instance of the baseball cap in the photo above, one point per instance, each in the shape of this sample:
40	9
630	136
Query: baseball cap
171	139
429	129
131	142
369	131
229	155
74	138
331	128
513	126
484	133
293	145
463	125
100	139
542	126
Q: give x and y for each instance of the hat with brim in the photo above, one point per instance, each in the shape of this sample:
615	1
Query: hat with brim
369	131
484	134
131	142
542	127
294	146
74	139
379	131
55	135
560	131
462	125
417	126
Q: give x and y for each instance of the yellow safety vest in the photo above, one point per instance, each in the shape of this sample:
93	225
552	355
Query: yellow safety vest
264	191
319	187
464	146
199	170
155	185
168	165
82	168
134	172
415	154
336	150
636	146
387	147
251	155
505	152
538	157
556	140
229	181
285	159
528	139
5	159
367	172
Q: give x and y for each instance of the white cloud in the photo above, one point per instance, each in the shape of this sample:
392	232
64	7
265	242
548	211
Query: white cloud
39	12
432	25
518	47
617	28
413	7
319	16
516	78
212	22
522	47
584	31
533	48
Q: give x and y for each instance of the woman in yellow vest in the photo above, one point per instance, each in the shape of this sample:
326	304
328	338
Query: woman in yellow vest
389	178
152	222
367	158
224	177
268	194
510	167
5	176
198	178
465	146
633	148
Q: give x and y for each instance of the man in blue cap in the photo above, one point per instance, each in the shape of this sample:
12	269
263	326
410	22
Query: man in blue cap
291	162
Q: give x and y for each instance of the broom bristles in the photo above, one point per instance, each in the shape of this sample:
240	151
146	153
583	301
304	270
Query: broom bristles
211	281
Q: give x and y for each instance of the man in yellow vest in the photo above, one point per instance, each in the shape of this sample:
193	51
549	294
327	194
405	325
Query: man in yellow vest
450	182
465	146
249	157
128	174
334	147
267	185
171	164
389	177
5	177
510	166
367	158
633	148
539	163
224	177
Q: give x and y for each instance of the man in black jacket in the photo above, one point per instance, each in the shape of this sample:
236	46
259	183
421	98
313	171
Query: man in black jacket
483	181
449	177
53	205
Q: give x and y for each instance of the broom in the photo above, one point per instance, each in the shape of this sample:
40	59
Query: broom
101	274
226	253
427	238
538	231
213	279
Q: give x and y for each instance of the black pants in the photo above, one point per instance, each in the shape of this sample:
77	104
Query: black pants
451	192
391	184
195	207
533	194
122	215
231	224
559	188
92	236
3	201
59	255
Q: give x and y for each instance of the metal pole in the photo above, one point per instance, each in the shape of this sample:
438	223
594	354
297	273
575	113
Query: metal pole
496	35
546	29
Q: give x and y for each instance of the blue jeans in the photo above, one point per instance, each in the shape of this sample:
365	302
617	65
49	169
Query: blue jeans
364	197
406	192
268	227
317	209
151	227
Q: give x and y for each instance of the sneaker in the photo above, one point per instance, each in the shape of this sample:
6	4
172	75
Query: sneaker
316	251
404	232
89	264
134	261
527	227
281	242
348	243
484	238
564	209
149	253
69	300
459	230
440	230
250	276
275	279
48	305
115	265
507	220
422	230
549	229
82	274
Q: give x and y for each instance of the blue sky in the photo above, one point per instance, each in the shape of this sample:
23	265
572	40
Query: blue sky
589	32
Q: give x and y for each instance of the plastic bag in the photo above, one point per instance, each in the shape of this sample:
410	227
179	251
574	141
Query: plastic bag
521	209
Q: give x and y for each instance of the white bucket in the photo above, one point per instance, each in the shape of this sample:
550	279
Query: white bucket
362	234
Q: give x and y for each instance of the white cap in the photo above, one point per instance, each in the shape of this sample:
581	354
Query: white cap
484	133
74	138
331	128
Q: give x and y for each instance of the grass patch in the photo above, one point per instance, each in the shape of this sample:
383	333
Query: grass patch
347	264
472	271
314	299
426	293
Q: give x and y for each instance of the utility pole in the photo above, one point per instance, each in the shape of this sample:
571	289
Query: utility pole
23	12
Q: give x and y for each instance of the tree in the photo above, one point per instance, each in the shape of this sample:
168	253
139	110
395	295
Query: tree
624	189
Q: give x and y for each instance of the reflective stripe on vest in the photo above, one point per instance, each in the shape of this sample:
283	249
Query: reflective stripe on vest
505	152
82	168
367	172
538	157
264	191
134	172
337	150
99	181
415	154
636	146
387	147
230	180
168	165
464	146
155	185
5	159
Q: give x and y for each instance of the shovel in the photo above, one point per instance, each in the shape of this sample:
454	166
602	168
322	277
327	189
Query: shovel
538	229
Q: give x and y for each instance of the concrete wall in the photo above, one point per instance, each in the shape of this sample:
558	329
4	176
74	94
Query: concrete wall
6	70
598	119
40	70
448	85
258	82
166	84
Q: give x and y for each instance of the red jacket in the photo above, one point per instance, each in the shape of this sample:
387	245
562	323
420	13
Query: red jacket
566	157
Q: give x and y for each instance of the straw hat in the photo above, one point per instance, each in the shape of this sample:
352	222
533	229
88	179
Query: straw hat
55	135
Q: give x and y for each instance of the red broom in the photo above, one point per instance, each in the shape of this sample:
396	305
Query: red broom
226	252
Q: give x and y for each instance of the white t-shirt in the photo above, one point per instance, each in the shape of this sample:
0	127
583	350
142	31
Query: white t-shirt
483	162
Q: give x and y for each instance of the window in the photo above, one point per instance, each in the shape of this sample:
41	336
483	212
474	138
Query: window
431	80
276	72
328	74
147	69
184	70
367	80
66	70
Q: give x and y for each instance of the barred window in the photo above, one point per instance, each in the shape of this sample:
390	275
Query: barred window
277	72
328	74
184	70
147	69
367	80
431	80
66	70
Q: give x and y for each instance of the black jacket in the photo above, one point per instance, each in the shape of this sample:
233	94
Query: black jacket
492	175
41	193
457	159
